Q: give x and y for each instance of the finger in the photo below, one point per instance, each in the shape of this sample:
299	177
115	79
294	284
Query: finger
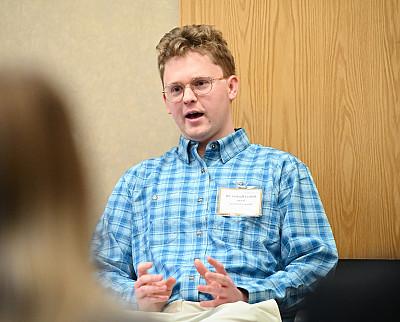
143	268
148	279
213	289
168	290
159	298
217	265
170	282
159	283
200	267
150	291
221	279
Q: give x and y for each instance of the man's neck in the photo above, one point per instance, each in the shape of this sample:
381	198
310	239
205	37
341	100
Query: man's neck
201	149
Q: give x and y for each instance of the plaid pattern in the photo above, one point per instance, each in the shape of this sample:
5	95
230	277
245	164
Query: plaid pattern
164	211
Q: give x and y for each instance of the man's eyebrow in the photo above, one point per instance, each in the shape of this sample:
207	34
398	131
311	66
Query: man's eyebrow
174	83
193	79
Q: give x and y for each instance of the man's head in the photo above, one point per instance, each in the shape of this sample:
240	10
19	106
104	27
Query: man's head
203	39
199	82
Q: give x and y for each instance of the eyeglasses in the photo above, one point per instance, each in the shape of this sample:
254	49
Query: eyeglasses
200	86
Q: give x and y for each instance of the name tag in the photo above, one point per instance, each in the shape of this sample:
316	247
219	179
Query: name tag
239	202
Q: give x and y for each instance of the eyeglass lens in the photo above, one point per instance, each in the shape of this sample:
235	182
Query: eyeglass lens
200	86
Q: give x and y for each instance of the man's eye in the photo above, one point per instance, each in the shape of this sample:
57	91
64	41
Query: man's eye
201	83
175	90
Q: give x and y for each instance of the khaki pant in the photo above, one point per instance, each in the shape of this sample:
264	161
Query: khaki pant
185	311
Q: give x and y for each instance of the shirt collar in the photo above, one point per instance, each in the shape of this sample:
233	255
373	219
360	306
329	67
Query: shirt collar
229	146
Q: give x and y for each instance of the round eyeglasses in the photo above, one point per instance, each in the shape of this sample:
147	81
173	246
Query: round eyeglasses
200	86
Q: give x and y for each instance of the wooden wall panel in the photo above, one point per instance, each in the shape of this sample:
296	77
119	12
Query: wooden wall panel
321	79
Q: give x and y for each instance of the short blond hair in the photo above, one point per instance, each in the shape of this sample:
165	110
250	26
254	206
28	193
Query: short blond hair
203	39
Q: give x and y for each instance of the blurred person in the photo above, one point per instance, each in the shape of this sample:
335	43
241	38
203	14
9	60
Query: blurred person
45	275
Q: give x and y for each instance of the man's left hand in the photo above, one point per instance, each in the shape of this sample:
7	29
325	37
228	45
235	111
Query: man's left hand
219	285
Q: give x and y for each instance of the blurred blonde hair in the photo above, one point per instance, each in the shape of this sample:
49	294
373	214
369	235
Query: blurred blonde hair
44	235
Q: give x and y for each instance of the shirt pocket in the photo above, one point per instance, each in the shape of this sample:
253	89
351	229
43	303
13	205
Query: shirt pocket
254	234
251	234
163	231
164	219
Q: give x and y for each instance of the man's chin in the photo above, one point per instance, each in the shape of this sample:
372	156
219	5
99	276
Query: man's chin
196	137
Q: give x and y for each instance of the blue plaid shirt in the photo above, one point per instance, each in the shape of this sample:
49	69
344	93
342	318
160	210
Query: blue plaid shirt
164	211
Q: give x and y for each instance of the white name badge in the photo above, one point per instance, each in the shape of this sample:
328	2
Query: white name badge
239	202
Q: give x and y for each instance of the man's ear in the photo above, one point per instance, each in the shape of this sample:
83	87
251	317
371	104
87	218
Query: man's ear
233	86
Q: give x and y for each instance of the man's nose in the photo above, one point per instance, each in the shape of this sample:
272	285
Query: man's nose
189	95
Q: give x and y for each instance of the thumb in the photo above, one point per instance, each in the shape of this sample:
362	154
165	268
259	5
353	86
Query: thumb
170	282
144	267
201	268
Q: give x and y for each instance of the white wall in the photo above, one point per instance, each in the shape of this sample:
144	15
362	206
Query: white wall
103	54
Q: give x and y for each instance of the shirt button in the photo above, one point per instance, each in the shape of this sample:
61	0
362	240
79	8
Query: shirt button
213	146
199	233
203	170
155	197
191	278
200	200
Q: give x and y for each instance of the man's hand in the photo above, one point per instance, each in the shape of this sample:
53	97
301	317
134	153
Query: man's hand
152	292
219	285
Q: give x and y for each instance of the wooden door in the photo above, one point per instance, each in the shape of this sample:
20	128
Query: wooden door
321	79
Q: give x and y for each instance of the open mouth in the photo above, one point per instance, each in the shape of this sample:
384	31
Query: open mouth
194	115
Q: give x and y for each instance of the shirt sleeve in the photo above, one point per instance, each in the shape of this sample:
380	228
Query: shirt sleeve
112	247
308	249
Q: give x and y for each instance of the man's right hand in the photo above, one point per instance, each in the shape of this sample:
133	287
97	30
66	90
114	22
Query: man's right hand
151	291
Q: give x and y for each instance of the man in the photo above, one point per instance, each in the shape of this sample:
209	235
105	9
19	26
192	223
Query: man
216	220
